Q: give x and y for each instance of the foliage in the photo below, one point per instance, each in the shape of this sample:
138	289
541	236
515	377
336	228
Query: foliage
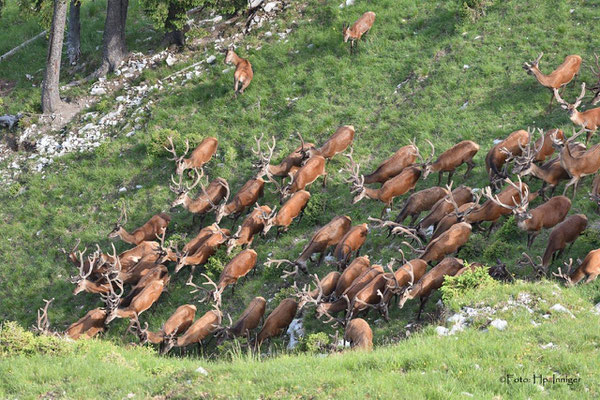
283	293
462	286
15	341
474	9
159	139
315	343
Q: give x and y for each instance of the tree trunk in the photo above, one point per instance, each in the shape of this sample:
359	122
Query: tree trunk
113	43
74	37
50	96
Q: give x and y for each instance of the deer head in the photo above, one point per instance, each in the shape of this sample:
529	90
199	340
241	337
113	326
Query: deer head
532	65
179	160
119	224
571	108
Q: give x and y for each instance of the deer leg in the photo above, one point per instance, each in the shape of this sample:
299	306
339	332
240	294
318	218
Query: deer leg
591	278
571	182
278	232
450	173
301	215
232	289
470	166
492	225
439	178
421	305
530	238
324	179
321	257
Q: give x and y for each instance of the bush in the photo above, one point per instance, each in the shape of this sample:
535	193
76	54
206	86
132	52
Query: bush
473	9
315	343
459	288
16	341
284	293
159	139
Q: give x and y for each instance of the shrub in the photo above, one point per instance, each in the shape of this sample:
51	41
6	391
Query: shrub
315	343
159	139
284	293
16	341
473	9
459	288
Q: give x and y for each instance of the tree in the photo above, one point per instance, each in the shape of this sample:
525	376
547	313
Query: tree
114	47
74	32
51	102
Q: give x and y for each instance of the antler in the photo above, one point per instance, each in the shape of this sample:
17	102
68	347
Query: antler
264	162
43	324
172	149
396	228
286	274
82	274
305	295
534	62
566	276
526	259
487	192
356	179
215	293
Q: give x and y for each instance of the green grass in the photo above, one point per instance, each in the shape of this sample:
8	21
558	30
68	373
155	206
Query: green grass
78	196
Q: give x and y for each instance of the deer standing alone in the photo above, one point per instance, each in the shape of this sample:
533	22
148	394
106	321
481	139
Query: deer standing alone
358	29
243	71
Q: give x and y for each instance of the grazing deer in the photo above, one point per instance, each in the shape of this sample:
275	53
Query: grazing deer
200	156
447	243
290	164
278	321
359	334
206	250
176	324
404	277
353	271
292	208
140	303
420	201
304	176
403	158
459	214
211	196
193	245
244	198
325	286
89	279
351	242
157	225
578	166
253	224
595	193
247	322
202	328
243	71
88	326
589	119
443	207
329	235
147	250
159	272
499	154
337	143
431	281
590	268
561	76
564	233
461	153
544	147
358	29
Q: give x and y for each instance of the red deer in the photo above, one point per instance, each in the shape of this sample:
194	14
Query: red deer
561	76
423	200
596	87
589	119
200	156
88	326
564	233
243	71
278	321
578	166
590	268
431	281
304	176
248	321
353	271
359	334
140	303
451	159
338	142
497	156
543	146
326	286
217	190
193	245
147	250
459	214
397	186
358	29
329	235
403	158
206	250
89	280
176	324
447	243
595	193
244	198
154	227
202	328
351	242
443	207
235	269
290	164
159	272
292	208
253	224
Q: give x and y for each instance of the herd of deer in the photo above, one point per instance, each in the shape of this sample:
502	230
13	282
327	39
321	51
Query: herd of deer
355	286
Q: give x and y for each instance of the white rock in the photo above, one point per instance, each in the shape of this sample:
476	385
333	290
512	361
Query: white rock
549	346
349	3
457	318
496	141
202	371
29	77
226	70
171	60
499	324
466	66
296	331
597	309
122	189
442	331
268	33
561	309
254	3
211	59
98	91
270	6
310	46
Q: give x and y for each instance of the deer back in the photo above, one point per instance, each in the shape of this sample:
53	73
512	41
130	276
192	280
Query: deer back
359	334
279	319
88	326
203	152
448	242
351	241
239	266
456	155
352	271
250	318
308	173
292	208
200	329
180	320
338	142
401	159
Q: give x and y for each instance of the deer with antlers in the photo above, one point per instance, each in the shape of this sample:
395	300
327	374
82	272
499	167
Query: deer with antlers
461	195
459	214
90	278
205	250
358	28
564	233
461	153
446	243
589	267
589	119
350	243
159	272
243	71
254	223
211	197
337	143
200	156
202	328
404	157
140	303
349	275
88	326
291	209
157	225
177	324
560	77
244	198
503	151
304	176
420	201
278	321
247	322
359	334
292	162
329	235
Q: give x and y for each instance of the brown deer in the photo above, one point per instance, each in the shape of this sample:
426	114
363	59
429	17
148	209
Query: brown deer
498	155
159	272
254	223
590	268
443	207
459	214
589	119
248	320
290	164
200	156
358	29
140	303
337	143
291	209
431	281
561	76
206	250
202	328
304	176
176	324
325	286
211	196
88	326
403	158
353	271
89	279
278	321
351	242
359	334
461	153
193	245
420	201
244	198
543	146
447	243
329	235
564	233
595	193
243	71
157	225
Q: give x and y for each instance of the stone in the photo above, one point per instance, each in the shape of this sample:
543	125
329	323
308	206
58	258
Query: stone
499	324
270	6
202	371
98	91
211	59
442	331
559	308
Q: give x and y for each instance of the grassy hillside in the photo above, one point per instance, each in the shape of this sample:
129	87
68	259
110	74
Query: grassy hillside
309	83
